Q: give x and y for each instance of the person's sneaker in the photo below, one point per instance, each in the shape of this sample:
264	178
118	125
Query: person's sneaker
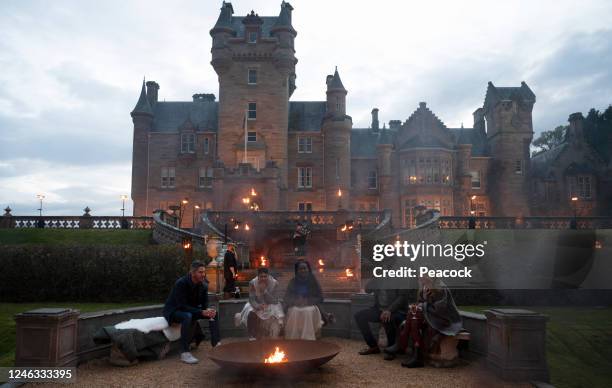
389	356
372	350
188	358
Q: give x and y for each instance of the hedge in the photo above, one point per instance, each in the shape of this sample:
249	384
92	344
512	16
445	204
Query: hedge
94	273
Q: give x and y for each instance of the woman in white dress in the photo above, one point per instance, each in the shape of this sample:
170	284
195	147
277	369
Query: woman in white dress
304	318
263	314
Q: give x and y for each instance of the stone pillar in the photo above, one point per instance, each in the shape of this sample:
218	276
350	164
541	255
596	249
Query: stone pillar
85	221
47	337
7	221
516	344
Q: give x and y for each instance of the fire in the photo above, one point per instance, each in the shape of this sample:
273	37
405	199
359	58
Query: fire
321	270
349	273
246	227
253	192
276	357
321	262
343	228
263	261
339	193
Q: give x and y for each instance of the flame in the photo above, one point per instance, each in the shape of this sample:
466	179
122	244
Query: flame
277	356
321	270
263	261
349	273
339	193
187	245
246	227
253	192
236	227
343	228
321	262
246	200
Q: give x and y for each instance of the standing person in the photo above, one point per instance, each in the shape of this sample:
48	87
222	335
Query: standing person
389	310
230	271
262	314
186	304
302	300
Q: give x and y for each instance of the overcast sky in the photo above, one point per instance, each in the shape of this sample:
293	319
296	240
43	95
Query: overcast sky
71	71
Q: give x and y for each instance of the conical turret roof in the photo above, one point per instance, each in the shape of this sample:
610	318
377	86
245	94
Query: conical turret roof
336	82
143	106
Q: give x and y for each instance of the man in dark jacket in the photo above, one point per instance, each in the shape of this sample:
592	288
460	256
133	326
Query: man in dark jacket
186	304
389	309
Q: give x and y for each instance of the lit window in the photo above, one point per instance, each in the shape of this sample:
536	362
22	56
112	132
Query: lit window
581	187
305	145
205	177
252	76
252	111
475	179
252	37
187	143
168	177
305	206
372	180
251	136
518	167
304	177
206	145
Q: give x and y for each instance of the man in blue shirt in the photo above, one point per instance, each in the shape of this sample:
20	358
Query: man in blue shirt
186	304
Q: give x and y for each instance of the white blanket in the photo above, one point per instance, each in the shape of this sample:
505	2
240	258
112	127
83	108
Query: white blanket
147	325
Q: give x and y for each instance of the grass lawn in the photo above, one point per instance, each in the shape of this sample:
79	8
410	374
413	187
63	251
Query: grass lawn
7	323
578	345
75	236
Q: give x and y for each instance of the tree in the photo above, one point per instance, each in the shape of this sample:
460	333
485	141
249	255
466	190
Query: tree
549	139
598	131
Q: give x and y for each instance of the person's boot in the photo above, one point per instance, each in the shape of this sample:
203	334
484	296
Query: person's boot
416	361
369	350
393	349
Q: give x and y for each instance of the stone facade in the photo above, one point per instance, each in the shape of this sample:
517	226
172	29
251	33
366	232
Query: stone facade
306	155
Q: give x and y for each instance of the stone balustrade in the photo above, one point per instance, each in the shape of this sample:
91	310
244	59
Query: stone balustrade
525	222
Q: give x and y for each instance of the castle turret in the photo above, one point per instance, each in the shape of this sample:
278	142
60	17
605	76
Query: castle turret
336	95
509	133
142	117
255	61
284	54
336	128
221	33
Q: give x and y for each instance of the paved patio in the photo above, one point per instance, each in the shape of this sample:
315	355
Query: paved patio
347	369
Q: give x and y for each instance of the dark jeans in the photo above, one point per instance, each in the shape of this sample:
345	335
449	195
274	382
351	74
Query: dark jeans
230	285
191	330
372	314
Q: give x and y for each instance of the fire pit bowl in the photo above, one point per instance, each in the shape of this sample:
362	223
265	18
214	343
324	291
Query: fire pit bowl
248	356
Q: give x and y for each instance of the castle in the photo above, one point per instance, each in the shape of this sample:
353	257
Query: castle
306	155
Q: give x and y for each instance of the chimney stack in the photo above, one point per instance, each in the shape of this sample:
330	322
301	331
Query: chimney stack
375	125
152	88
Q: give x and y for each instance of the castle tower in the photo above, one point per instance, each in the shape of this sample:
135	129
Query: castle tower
142	117
508	114
255	64
336	128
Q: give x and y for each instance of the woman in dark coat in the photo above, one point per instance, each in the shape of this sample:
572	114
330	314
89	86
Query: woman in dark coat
301	302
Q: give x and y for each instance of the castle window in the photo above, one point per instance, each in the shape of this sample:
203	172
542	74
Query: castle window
305	145
580	186
304	177
338	103
252	76
372	180
205	177
252	37
475	179
206	145
252	111
305	206
251	137
187	143
518	167
168	177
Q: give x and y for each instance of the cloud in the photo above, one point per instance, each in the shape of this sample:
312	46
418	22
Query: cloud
71	74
